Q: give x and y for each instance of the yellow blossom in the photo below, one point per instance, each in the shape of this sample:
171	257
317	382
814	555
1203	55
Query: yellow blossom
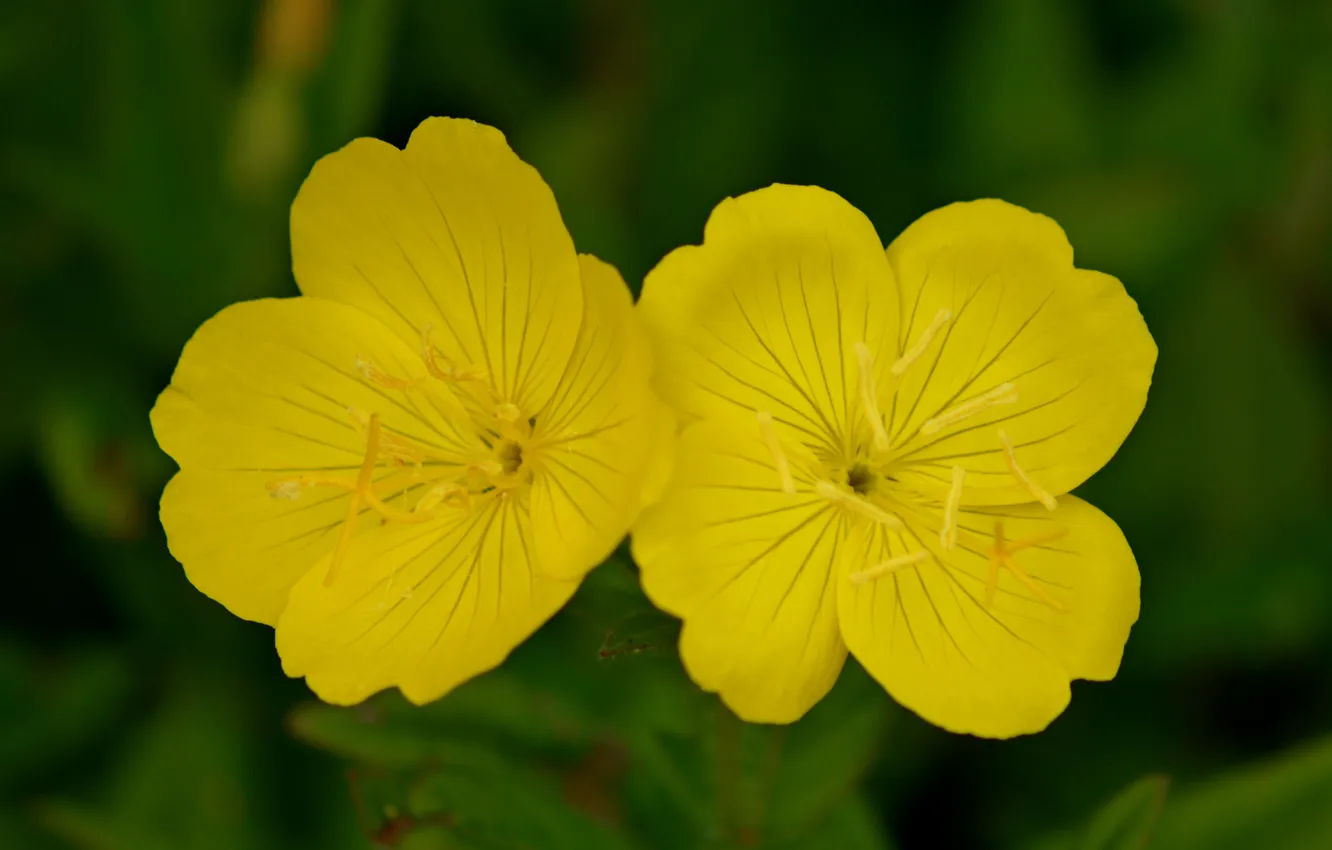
878	456
410	467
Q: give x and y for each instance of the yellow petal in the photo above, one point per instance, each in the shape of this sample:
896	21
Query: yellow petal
750	569
261	394
927	634
766	313
454	232
1070	343
595	441
424	608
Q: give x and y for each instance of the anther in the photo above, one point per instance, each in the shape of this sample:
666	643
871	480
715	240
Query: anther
1037	492
507	412
922	343
892	565
948	534
856	504
287	489
1005	393
775	449
869	396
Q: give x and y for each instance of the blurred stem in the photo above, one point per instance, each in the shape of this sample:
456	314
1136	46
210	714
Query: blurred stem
728	772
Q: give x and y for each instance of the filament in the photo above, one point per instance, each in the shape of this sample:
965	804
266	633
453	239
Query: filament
948	534
1037	492
922	343
892	565
1005	393
775	449
869	396
856	504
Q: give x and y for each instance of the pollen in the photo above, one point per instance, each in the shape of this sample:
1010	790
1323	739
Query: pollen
775	449
1001	556
922	343
889	566
869	396
1005	393
948	534
856	504
1037	492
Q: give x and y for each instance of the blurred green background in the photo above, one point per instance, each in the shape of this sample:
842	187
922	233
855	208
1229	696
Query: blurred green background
149	150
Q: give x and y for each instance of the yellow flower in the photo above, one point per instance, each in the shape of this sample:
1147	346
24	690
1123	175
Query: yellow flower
878	454
409	468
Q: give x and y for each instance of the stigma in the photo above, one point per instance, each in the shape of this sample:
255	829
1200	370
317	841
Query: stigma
1001	557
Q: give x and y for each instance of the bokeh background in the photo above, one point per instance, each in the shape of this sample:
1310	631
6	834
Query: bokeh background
149	150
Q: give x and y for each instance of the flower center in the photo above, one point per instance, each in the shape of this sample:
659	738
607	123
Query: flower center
864	487
490	434
862	478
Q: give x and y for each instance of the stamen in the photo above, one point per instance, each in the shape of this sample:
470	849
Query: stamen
855	503
450	371
507	412
400	449
373	374
291	489
948	534
922	343
1005	393
1001	555
363	482
892	565
775	449
869	396
1037	492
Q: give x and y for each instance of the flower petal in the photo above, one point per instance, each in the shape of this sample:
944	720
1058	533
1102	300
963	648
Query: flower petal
766	313
261	394
1003	669
1069	341
455	232
749	568
421	607
595	439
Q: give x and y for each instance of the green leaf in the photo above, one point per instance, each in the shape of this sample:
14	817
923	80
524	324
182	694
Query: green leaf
1127	821
1284	803
504	806
490	717
850	826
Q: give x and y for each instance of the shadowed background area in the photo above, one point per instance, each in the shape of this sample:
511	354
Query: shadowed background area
149	151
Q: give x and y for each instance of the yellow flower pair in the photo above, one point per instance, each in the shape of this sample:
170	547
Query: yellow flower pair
409	468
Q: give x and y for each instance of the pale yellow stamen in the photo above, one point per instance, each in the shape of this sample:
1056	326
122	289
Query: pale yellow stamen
948	534
449	371
1001	555
774	445
507	412
1037	492
922	343
373	374
363	482
1005	393
869	396
892	565
856	504
401	450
